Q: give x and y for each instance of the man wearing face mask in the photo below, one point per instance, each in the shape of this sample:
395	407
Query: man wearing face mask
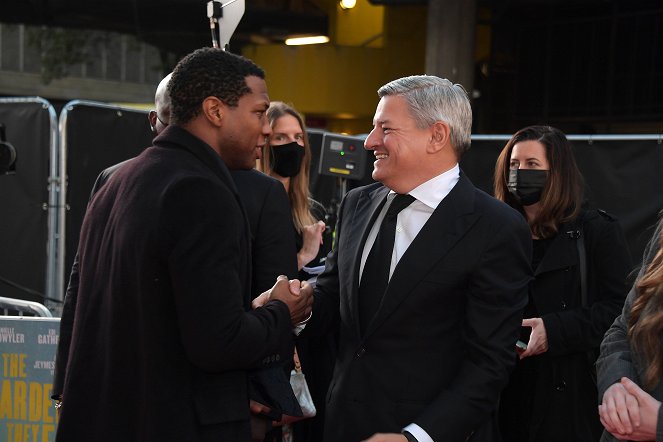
580	263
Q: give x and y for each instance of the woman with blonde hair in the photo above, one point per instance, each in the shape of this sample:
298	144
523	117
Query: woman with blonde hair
287	157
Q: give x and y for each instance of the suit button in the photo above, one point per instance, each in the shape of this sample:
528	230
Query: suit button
563	304
360	353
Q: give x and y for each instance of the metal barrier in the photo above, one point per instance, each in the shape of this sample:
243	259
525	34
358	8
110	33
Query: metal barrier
21	307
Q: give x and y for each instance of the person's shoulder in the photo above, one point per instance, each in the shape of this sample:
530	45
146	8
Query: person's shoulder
488	203
369	188
254	178
597	219
597	215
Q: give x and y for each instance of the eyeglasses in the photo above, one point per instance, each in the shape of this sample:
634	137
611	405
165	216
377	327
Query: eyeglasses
162	122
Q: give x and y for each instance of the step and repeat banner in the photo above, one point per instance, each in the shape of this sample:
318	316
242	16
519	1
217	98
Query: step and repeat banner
27	413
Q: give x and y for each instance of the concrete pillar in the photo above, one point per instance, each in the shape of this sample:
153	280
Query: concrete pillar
450	40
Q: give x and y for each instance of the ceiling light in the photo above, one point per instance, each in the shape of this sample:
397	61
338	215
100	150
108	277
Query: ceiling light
348	4
310	40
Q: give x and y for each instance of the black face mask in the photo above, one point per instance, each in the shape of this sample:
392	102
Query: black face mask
287	159
527	184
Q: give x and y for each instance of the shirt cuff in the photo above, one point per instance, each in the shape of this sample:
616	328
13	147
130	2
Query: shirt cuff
302	325
418	432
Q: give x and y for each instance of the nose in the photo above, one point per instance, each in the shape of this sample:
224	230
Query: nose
373	140
266	128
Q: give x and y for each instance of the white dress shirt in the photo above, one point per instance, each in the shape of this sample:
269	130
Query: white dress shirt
409	223
411	220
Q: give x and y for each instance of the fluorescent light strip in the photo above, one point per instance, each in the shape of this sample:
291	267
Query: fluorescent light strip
315	39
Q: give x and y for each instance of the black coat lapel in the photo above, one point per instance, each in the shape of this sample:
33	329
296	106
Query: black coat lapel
368	207
452	218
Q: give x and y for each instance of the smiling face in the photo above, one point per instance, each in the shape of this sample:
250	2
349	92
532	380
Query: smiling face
245	127
398	145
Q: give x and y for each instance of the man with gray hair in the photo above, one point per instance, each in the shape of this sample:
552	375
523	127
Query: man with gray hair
426	284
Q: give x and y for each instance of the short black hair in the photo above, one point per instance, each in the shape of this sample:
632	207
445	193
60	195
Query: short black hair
204	73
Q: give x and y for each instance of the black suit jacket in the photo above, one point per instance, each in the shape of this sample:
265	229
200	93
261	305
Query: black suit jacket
161	337
441	345
268	210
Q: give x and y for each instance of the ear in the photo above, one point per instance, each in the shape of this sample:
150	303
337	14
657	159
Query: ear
152	118
213	110
440	137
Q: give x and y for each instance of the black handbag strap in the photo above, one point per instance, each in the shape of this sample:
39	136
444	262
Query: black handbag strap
582	266
579	236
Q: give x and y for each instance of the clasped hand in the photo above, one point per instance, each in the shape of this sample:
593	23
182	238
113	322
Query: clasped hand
628	412
298	296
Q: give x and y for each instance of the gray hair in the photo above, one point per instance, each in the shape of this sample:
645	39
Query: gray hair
432	99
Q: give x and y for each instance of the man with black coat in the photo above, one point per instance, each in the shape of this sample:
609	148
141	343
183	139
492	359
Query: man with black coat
162	339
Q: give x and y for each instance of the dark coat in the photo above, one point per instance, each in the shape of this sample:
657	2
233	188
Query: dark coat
273	248
268	209
161	338
617	358
439	349
552	396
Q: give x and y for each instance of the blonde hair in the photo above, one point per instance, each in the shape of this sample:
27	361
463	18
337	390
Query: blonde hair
298	193
646	321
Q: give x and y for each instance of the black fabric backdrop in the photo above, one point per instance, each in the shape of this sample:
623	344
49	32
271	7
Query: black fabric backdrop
622	177
24	200
97	137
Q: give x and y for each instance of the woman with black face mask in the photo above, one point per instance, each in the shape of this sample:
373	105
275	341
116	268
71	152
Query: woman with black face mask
287	157
581	263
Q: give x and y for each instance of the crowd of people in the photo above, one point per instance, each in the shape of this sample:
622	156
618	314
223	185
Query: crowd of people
442	313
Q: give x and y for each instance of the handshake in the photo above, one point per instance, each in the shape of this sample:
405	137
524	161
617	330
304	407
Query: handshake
298	296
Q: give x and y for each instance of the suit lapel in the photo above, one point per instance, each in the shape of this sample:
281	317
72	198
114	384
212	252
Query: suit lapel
452	218
368	207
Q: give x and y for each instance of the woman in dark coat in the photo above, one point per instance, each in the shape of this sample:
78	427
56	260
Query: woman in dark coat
552	394
629	369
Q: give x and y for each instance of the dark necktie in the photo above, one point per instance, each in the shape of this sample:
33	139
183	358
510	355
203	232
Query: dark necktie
375	276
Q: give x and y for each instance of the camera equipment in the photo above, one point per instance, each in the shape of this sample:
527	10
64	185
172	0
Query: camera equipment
342	156
7	154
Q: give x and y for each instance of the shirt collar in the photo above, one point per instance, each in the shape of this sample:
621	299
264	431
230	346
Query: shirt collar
433	191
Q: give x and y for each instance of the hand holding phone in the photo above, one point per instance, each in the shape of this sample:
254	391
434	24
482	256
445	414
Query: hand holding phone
520	345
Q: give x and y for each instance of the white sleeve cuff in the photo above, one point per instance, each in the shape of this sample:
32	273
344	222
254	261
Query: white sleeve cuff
418	432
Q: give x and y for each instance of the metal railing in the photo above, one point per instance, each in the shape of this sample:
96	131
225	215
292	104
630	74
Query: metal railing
21	307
